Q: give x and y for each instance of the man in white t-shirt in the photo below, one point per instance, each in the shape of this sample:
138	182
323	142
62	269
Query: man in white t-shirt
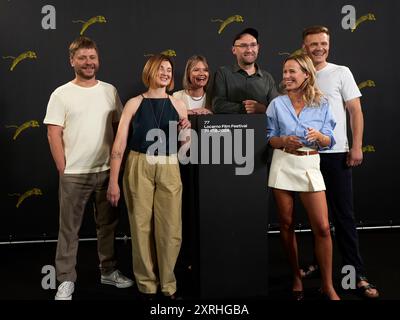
79	118
339	86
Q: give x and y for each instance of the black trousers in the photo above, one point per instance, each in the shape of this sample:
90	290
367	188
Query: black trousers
339	193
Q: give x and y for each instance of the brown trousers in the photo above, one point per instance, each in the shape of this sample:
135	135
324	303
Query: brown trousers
75	191
153	195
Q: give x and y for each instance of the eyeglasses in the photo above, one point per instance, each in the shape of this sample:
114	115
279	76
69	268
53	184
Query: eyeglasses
246	45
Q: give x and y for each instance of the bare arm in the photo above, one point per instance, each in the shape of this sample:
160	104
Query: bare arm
55	138
184	123
182	111
355	155
118	149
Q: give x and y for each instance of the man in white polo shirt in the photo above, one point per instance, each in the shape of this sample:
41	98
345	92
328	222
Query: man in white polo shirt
80	117
339	86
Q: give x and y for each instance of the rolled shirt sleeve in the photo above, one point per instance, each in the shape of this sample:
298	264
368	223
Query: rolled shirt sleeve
328	126
272	121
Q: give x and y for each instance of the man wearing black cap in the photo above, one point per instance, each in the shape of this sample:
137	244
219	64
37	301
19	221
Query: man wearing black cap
243	87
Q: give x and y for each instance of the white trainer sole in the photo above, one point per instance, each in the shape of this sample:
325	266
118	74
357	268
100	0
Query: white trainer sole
118	285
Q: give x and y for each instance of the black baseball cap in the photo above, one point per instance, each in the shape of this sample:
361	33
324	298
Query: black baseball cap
251	31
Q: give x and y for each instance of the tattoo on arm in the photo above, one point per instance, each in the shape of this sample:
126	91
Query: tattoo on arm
116	155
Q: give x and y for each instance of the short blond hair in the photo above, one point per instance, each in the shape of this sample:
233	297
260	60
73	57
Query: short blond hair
82	43
151	68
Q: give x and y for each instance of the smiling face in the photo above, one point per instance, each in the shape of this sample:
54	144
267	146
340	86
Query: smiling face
85	63
164	75
317	48
293	75
246	50
198	75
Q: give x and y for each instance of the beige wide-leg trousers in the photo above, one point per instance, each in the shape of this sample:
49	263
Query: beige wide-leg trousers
153	195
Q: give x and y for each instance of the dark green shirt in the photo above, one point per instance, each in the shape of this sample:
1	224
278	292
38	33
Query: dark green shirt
232	85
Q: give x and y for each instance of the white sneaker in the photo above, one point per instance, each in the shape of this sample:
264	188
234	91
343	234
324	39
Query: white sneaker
116	278
65	291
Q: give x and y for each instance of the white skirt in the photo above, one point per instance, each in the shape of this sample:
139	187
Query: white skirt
295	173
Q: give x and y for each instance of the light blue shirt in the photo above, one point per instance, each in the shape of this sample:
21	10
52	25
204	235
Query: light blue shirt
283	121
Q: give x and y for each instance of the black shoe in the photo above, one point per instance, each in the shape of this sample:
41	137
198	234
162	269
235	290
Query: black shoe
323	296
366	291
297	295
173	297
148	296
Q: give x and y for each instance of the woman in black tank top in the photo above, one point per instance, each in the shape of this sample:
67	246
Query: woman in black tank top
152	184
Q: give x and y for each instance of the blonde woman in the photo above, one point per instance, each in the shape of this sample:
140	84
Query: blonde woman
299	124
152	182
195	83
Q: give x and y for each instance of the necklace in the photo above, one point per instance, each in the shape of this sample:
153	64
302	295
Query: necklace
158	123
197	98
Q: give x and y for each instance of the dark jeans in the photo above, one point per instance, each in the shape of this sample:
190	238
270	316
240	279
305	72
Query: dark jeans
339	193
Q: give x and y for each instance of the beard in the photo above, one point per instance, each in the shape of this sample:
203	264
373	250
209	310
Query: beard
249	60
83	74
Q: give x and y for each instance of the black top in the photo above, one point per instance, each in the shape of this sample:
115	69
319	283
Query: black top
155	114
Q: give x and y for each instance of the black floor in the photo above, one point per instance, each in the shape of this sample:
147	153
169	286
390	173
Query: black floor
21	270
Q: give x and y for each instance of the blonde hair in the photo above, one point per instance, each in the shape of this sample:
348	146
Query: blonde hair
82	43
188	69
151	68
311	93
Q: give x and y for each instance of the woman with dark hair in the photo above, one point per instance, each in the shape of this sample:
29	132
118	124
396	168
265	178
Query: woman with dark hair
299	124
152	182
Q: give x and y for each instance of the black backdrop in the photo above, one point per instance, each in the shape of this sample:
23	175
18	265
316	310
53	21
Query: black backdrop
136	28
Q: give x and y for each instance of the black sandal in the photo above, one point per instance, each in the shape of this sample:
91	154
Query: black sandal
363	290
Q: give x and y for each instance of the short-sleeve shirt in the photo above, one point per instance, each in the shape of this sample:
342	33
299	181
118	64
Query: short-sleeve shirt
338	85
86	115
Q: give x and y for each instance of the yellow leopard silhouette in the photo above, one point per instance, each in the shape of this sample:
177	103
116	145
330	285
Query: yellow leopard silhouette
368	83
226	22
87	24
169	53
24	126
368	148
22	56
29	193
294	53
367	17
